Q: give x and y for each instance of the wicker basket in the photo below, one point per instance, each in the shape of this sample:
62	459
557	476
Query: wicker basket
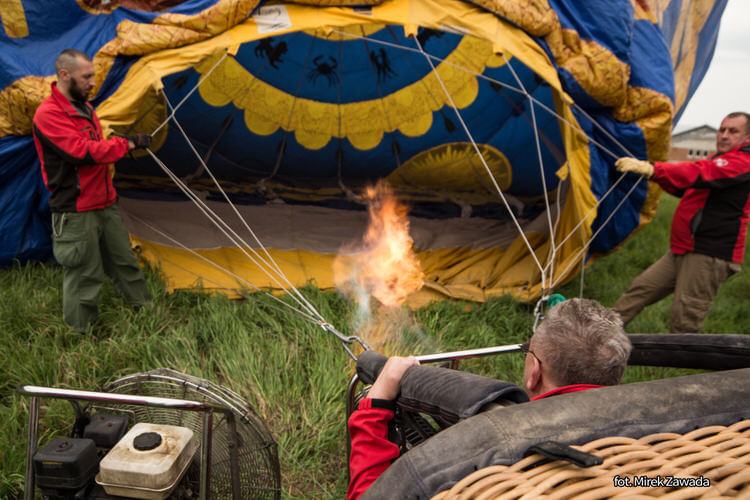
709	462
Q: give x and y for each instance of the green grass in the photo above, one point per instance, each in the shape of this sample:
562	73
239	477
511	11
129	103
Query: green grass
291	372
608	277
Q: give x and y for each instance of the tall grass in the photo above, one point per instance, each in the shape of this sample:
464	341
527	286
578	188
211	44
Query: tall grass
292	372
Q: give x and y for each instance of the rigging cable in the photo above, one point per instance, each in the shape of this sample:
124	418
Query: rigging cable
311	315
481	157
270	262
549	268
574	127
310	311
298	297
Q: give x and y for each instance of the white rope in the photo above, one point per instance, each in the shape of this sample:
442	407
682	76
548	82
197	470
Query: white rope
227	231
549	268
481	157
270	263
321	322
200	80
235	238
602	226
240	279
545	270
574	127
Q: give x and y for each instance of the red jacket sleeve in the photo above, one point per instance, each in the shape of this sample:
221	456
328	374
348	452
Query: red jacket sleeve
78	146
371	453
717	173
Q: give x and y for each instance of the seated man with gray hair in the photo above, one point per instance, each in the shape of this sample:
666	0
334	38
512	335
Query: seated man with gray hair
580	345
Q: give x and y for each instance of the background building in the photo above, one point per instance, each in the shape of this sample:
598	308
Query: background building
693	144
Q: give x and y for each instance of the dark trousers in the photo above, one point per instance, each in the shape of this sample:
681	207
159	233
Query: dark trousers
88	245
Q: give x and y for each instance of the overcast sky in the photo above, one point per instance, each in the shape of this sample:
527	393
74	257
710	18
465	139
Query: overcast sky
726	86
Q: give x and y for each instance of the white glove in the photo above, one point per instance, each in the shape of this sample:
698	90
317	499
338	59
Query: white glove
639	167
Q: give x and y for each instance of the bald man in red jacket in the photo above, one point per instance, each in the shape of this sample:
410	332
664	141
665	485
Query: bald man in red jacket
88	236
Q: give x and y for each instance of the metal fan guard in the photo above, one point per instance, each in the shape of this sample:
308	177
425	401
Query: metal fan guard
244	460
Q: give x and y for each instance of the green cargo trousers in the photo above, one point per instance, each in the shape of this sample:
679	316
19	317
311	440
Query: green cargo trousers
694	279
89	244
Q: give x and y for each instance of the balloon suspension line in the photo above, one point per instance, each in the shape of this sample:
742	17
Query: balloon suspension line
225	229
547	298
552	254
268	262
601	227
304	315
535	102
481	157
572	126
545	271
310	312
345	340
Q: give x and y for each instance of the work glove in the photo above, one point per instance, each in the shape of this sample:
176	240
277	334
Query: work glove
139	141
639	167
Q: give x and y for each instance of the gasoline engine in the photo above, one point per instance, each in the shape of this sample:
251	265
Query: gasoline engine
108	461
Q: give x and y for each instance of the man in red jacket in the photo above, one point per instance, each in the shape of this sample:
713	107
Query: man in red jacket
580	345
88	236
709	226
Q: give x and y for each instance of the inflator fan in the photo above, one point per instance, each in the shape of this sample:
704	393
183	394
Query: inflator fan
244	460
243	455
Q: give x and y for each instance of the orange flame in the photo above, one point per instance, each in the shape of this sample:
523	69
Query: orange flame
384	265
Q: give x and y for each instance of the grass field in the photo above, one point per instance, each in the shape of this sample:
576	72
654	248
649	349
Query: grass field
293	373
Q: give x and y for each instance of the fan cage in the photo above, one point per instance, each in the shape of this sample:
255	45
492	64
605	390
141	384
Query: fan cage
244	460
238	457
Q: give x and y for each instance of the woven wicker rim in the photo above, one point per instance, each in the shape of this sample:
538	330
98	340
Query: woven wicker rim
717	458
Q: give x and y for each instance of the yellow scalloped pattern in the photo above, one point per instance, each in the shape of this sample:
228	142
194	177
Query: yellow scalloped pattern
364	123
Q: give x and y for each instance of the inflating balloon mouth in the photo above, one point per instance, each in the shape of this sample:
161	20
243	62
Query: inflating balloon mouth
501	124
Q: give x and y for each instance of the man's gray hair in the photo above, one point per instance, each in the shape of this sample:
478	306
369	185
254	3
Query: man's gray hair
68	60
583	342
